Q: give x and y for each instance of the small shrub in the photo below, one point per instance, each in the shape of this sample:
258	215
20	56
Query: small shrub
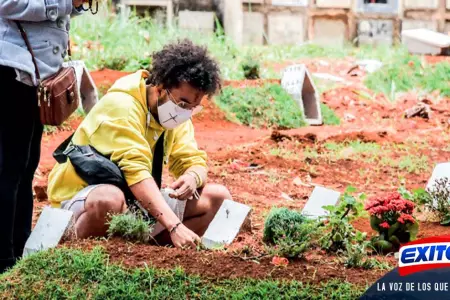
391	216
130	226
251	68
289	231
267	106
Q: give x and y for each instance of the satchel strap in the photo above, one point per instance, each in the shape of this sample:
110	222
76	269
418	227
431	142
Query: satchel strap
30	49
157	164
61	156
27	42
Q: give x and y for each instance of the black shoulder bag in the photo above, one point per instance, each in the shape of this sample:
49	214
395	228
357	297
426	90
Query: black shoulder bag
95	168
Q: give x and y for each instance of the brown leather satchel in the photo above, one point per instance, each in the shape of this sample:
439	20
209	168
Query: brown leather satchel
57	95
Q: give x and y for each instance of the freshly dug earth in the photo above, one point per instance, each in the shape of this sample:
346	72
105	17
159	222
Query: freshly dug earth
290	164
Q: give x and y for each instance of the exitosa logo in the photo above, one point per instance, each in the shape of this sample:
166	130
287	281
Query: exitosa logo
425	254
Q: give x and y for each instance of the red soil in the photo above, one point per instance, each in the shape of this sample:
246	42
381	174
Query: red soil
288	180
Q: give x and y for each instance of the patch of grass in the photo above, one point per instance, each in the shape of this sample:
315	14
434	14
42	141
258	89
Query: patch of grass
283	153
414	164
130	226
67	273
267	106
329	116
404	72
376	154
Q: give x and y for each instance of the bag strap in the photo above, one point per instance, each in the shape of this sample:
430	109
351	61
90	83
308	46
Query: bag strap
157	164
60	155
30	49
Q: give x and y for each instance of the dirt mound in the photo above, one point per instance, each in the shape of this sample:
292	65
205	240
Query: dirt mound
205	263
335	134
105	78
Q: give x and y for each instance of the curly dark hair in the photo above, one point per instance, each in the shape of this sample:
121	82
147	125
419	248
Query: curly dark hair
183	61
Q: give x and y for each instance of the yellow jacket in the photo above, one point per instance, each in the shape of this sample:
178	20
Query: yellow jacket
117	126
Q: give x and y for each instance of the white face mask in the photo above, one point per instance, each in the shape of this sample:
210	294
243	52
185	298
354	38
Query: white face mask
171	115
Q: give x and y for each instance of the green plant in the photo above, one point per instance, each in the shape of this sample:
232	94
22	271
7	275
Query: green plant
289	231
340	232
130	226
391	216
439	200
329	116
266	106
251	67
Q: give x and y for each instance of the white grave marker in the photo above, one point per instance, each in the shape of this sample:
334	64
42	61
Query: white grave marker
425	41
226	224
49	229
298	83
320	197
440	171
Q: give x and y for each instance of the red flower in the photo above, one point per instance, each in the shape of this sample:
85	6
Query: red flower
385	225
280	261
406	218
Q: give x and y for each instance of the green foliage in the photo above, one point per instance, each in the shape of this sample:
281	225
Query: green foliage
329	116
269	106
289	231
251	67
404	72
130	226
341	237
74	274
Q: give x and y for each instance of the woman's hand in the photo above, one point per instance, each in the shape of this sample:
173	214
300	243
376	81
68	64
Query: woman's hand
183	237
185	187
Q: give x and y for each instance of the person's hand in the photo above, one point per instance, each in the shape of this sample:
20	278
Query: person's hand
185	187
77	3
183	237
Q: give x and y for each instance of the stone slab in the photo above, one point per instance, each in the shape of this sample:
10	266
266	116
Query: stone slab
319	198
416	24
329	32
202	21
375	32
421	4
297	81
440	171
253	28
389	8
49	229
226	224
425	41
286	28
334	3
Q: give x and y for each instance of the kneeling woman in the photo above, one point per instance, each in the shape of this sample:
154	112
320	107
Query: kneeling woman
125	126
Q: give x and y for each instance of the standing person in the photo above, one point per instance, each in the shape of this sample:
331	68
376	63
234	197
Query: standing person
46	23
